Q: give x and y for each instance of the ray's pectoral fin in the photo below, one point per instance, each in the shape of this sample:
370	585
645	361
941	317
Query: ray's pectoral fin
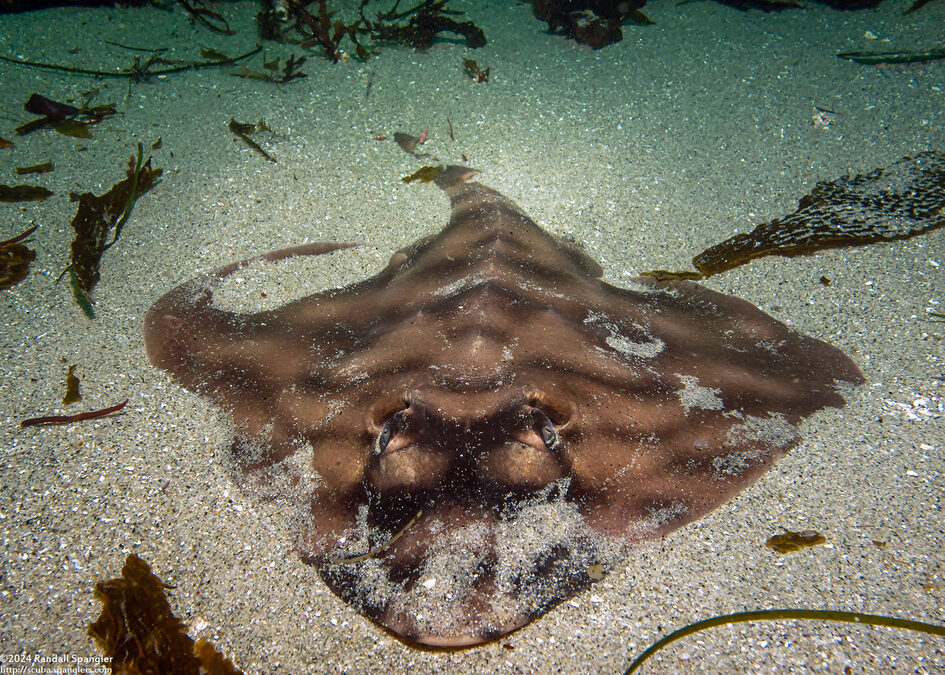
185	335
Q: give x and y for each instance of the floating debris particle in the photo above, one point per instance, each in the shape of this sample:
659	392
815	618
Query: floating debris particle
595	572
476	73
789	542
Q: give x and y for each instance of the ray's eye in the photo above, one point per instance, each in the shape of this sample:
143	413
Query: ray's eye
383	438
548	434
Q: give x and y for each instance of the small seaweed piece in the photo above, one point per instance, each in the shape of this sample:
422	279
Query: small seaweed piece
99	217
242	131
5	144
874	58
380	548
68	419
409	143
139	632
424	174
786	615
207	18
476	73
791	542
15	259
426	20
322	30
62	117
668	275
45	167
213	54
72	387
596	23
23	193
289	72
138	70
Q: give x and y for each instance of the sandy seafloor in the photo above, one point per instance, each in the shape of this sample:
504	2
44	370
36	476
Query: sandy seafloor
645	152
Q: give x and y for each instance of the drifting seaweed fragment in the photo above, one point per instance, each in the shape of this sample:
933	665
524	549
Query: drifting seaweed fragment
426	20
207	18
68	419
476	73
790	542
596	23
874	58
138	71
289	72
62	117
782	615
322	31
409	143
15	259
424	174
139	632
242	131
72	387
5	144
380	548
45	167
98	218
23	193
779	5
901	201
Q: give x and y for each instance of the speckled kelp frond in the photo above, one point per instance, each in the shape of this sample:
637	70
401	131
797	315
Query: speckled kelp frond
903	200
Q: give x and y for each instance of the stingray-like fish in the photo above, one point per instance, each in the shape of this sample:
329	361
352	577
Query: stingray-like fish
482	429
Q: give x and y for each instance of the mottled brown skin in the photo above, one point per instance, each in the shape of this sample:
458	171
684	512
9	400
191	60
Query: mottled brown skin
485	377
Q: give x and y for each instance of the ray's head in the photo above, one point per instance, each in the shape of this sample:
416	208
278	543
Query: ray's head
449	483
